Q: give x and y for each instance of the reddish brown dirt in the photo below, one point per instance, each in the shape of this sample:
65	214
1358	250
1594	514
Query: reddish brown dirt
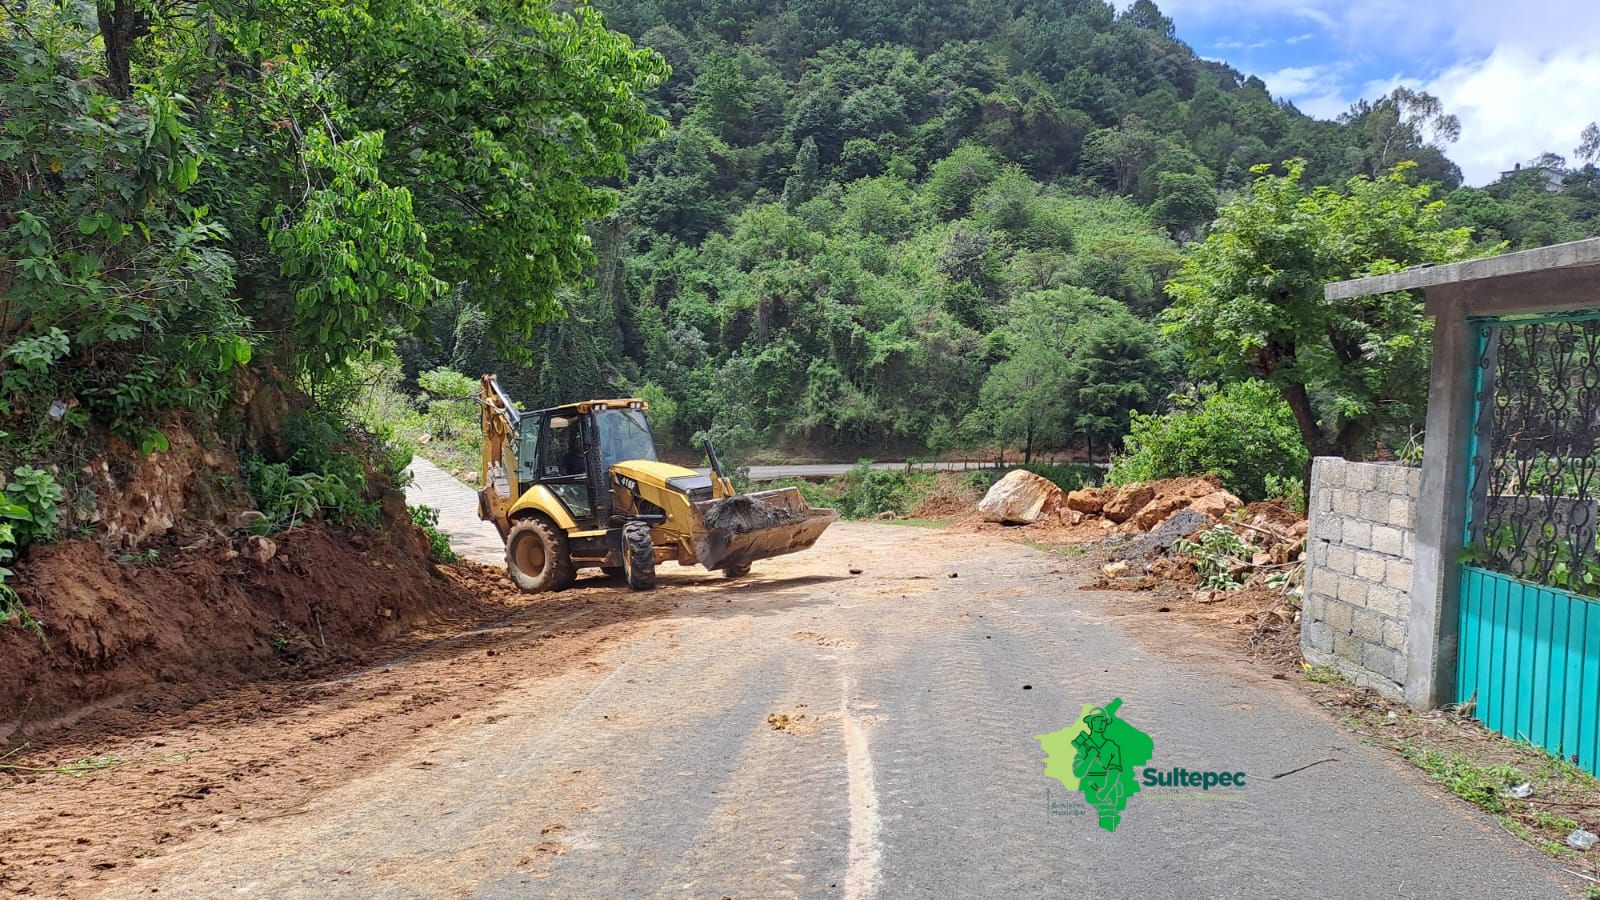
944	506
1276	512
136	780
200	615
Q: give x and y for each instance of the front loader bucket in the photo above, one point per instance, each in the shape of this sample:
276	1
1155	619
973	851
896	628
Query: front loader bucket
759	526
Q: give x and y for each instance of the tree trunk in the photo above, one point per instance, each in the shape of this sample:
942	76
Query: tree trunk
121	23
1027	450
1310	435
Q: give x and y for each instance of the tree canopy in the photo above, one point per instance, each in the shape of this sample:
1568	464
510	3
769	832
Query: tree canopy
185	188
1248	302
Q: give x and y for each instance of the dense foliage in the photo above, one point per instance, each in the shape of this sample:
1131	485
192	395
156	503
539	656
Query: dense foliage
1244	433
187	190
1248	302
849	236
843	243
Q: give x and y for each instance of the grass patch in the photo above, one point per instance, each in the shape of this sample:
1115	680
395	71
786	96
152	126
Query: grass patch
1063	550
1484	785
1482	767
918	523
1326	675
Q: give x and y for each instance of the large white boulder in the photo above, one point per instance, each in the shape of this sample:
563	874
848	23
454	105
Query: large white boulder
1021	498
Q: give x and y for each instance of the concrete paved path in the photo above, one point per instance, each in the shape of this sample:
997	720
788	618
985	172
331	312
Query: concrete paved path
814	731
457	504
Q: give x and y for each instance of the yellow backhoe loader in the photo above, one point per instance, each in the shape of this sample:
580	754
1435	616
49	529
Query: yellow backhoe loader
580	485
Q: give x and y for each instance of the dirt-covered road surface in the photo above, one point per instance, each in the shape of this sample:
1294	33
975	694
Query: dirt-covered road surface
854	721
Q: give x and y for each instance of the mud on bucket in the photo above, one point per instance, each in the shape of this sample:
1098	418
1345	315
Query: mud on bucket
748	527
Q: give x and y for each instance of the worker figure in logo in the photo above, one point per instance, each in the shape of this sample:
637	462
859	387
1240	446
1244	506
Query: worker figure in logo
1098	765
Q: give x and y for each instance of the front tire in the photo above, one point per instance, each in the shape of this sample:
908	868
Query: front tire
537	557
638	556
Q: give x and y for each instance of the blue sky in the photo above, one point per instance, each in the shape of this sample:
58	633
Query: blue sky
1524	77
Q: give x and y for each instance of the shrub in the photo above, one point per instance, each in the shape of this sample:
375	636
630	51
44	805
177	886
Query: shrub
865	492
450	399
324	475
30	509
1245	433
868	491
427	519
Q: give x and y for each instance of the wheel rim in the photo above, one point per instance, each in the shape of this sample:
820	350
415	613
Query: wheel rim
528	554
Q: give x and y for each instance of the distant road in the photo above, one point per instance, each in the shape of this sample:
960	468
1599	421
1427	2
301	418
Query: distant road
827	470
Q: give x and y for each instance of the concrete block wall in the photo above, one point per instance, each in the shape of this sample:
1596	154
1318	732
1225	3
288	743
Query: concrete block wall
1359	553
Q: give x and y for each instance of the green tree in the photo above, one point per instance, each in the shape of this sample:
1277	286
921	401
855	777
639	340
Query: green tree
955	180
1244	432
1118	156
1076	367
1248	302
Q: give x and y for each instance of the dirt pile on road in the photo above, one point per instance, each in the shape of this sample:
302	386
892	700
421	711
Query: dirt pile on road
1142	505
1246	569
1092	514
188	614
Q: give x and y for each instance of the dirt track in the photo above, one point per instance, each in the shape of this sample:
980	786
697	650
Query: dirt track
810	732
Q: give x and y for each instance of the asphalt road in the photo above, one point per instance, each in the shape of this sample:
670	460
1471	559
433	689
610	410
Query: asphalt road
908	766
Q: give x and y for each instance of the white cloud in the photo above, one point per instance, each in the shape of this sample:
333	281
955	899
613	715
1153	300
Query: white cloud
1316	90
1523	77
1515	104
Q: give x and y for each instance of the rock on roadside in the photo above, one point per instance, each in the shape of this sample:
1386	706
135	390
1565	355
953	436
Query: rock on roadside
1021	498
1129	499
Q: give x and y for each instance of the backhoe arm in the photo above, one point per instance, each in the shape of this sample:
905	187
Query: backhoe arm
500	419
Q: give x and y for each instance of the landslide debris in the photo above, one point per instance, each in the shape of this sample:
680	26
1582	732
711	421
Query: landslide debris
1044	513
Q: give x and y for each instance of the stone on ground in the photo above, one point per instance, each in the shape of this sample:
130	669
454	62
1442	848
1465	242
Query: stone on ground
1128	499
1088	500
1179	525
1217	504
1021	498
1168	496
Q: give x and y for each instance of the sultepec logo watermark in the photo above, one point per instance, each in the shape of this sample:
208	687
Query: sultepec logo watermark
1099	756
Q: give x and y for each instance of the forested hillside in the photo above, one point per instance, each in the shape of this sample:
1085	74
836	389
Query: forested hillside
908	226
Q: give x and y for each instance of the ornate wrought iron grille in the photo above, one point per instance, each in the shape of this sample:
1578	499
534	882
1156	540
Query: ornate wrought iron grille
1534	474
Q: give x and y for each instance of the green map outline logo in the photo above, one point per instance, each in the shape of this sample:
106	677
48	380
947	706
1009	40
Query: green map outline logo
1096	756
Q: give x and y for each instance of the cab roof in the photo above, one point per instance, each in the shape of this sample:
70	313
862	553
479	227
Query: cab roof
585	406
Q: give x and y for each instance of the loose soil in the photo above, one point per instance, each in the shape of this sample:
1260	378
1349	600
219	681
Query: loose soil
135	780
191	614
742	514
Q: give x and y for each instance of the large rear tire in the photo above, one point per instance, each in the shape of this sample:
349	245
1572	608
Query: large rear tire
638	556
537	556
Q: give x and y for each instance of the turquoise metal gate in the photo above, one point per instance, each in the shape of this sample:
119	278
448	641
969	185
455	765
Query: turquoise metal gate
1529	651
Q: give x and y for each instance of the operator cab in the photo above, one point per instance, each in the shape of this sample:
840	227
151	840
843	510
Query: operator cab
573	448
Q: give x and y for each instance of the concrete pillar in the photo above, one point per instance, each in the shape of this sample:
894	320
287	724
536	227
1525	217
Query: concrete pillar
1432	634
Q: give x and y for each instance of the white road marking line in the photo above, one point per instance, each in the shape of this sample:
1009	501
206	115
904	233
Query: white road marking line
861	872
